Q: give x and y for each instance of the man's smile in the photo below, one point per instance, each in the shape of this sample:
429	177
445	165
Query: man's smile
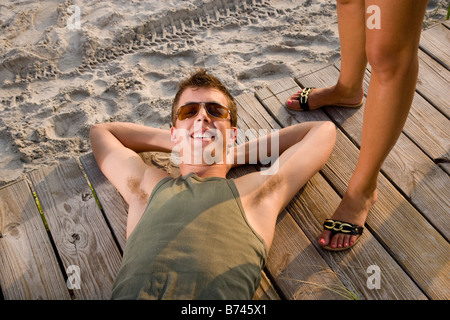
205	135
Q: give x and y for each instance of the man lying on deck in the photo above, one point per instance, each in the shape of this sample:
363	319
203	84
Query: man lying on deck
201	235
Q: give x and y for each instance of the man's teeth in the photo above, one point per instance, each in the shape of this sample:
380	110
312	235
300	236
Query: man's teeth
202	136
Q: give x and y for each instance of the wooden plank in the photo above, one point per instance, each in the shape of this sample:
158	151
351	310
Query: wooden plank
252	117
447	23
425	125
424	182
78	228
445	165
428	128
296	268
433	83
412	241
28	266
435	41
112	203
316	203
351	266
265	290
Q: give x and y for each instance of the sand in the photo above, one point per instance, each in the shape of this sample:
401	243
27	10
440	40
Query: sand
66	65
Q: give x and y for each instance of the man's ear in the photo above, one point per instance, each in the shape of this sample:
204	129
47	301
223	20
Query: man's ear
173	134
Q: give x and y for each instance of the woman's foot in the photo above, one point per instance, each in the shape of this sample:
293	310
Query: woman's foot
320	97
353	208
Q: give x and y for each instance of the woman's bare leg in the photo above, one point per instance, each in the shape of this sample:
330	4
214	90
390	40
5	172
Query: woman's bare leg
349	87
392	54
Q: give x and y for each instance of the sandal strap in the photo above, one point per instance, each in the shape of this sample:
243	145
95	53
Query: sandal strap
303	98
336	226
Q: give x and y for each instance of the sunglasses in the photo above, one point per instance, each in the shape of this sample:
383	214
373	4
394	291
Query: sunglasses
213	109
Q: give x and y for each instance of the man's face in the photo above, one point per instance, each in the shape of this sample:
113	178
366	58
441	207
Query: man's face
203	134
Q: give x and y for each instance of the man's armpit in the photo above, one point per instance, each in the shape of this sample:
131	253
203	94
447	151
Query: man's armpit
270	186
134	184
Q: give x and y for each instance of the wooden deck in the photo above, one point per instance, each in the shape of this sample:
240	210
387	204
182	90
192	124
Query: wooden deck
76	253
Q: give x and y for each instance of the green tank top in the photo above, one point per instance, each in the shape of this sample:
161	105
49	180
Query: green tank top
192	242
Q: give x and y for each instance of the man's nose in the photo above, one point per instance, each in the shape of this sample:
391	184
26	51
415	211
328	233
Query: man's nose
202	114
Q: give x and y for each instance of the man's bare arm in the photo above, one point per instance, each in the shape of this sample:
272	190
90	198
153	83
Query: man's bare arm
116	147
281	139
304	149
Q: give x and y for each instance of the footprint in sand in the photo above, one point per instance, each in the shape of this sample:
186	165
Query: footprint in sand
66	125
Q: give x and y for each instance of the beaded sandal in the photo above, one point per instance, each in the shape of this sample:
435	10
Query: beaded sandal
303	100
336	226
